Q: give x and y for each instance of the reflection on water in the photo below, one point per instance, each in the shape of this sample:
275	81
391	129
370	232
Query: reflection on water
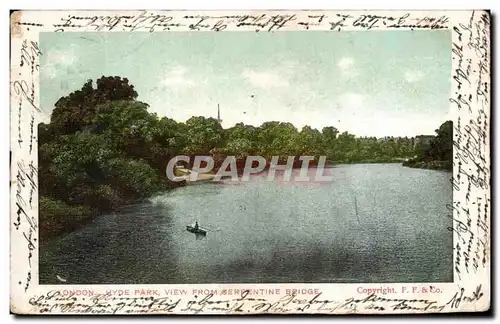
263	231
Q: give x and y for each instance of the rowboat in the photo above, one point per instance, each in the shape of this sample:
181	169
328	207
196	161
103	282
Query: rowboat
196	231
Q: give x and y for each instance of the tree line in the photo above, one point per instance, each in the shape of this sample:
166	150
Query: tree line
438	152
102	148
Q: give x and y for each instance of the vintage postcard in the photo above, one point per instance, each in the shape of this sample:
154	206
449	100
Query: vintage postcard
279	162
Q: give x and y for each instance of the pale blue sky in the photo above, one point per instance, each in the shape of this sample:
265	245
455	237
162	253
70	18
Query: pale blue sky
378	83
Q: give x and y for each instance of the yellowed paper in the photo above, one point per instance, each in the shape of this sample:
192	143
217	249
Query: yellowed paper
265	249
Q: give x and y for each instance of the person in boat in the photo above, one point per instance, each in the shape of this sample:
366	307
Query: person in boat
196	225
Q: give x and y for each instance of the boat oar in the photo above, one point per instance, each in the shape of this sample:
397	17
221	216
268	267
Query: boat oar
210	229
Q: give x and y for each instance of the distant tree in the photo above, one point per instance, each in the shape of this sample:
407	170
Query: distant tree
441	146
439	150
202	135
103	148
240	141
277	139
309	142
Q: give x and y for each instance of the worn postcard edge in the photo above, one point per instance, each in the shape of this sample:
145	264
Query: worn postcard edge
469	103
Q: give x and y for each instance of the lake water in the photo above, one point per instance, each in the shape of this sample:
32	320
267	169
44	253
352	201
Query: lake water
266	232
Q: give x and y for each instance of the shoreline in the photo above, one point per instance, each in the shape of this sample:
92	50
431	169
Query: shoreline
430	165
87	217
209	176
93	214
297	164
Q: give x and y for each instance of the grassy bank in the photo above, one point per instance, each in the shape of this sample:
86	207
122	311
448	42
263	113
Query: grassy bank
57	217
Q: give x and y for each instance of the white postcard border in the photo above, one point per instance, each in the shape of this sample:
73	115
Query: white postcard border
469	108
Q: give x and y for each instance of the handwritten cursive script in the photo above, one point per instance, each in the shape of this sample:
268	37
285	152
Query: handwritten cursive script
56	302
471	142
469	211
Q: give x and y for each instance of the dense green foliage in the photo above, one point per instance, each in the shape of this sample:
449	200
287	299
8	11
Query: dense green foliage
102	148
98	152
283	139
438	153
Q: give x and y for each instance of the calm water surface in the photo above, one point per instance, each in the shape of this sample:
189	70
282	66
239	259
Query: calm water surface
262	232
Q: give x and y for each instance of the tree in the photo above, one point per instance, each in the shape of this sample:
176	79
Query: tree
202	135
101	148
346	147
241	141
277	139
439	152
441	146
309	142
77	110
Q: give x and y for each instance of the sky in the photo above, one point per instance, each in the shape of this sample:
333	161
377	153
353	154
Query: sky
377	83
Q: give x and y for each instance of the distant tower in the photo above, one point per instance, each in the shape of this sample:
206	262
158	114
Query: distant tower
218	114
